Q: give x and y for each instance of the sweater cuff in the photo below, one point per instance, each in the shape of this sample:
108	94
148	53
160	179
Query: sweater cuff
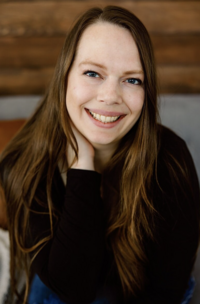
89	175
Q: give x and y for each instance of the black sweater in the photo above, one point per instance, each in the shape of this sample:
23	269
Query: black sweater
76	264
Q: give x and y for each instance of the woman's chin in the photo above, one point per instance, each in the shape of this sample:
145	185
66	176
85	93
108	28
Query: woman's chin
104	144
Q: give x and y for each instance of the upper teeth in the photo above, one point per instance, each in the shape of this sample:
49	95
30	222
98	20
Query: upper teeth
103	118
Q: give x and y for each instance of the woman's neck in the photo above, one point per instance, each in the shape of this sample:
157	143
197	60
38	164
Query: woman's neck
102	157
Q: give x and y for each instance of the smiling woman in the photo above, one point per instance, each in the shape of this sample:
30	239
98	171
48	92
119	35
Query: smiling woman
105	91
102	201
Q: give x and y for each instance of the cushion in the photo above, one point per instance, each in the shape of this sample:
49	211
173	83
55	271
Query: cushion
8	128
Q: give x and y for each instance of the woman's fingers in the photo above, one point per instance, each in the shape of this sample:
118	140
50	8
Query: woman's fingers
85	153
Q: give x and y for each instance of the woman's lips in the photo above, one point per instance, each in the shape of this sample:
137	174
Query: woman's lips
101	124
106	113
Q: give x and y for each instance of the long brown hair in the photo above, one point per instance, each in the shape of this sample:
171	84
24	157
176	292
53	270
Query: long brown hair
41	144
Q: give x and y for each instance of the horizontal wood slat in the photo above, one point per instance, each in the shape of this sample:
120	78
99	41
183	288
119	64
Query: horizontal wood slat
32	34
179	79
31	52
118	2
177	49
53	18
172	79
40	52
24	81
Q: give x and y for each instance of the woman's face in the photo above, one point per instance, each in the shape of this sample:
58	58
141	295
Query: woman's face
105	91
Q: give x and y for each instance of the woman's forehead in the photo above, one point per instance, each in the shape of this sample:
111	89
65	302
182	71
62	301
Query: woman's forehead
104	33
103	42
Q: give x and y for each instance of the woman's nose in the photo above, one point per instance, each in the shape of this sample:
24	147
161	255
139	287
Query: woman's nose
109	92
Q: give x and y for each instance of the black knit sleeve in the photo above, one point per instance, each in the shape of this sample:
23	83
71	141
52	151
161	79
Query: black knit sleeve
70	264
177	200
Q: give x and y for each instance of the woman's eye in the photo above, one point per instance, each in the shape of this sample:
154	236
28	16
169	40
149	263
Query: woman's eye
134	81
91	74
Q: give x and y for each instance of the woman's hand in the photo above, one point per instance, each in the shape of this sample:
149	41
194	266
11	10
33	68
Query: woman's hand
85	153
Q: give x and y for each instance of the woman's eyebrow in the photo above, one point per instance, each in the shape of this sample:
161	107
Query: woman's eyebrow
93	63
133	72
103	67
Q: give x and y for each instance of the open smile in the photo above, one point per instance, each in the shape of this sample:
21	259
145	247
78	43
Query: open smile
105	119
102	118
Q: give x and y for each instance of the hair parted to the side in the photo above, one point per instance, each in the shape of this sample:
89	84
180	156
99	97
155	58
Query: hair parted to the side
41	144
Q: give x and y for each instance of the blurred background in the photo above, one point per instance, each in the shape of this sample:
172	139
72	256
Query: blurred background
32	34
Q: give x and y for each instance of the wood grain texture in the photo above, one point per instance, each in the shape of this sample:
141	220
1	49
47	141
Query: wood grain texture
32	33
118	2
179	79
24	81
177	49
40	52
55	18
172	79
29	52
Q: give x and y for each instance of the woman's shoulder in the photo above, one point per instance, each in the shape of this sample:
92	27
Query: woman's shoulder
177	180
174	153
176	199
170	141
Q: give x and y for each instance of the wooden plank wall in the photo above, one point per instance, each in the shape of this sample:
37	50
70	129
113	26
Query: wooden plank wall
32	34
